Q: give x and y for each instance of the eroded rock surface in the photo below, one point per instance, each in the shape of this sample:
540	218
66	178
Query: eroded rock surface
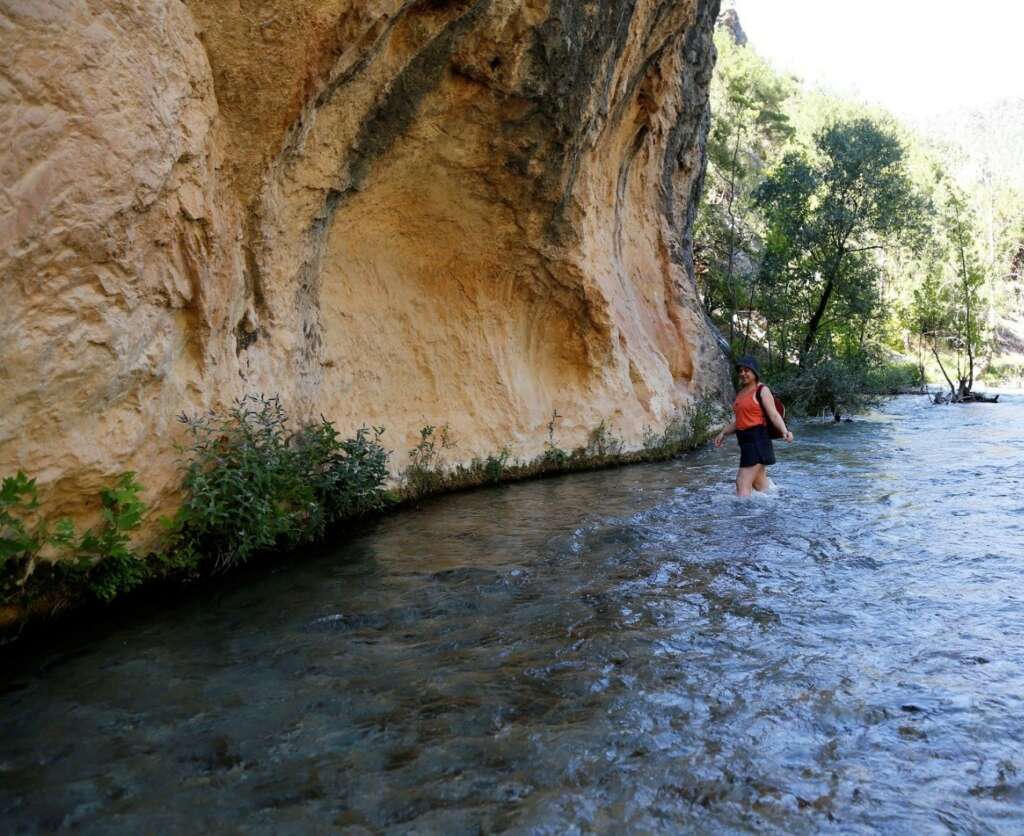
473	212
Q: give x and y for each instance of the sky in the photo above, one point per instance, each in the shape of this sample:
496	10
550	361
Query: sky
915	57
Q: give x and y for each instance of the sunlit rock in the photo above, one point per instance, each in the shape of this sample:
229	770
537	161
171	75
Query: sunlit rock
391	213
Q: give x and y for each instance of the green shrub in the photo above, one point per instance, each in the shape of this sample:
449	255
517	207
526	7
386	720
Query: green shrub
554	457
251	484
479	471
705	414
103	558
601	443
426	471
831	385
892	378
100	562
494	466
22	535
346	474
686	429
1003	374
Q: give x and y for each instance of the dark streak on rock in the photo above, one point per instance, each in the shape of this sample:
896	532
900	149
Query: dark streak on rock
389	121
623	179
689	135
397	111
575	54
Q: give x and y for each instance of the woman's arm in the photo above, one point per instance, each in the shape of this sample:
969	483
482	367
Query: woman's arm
768	405
729	429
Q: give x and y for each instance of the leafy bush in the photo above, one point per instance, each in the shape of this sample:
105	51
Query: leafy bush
830	385
99	562
685	430
346	474
21	536
602	443
103	557
1003	374
426	471
494	466
554	457
251	484
893	378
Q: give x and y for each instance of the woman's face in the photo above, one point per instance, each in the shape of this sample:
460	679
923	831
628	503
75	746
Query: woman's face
746	376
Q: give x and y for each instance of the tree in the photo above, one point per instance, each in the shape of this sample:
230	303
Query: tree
931	312
826	214
950	310
830	213
749	124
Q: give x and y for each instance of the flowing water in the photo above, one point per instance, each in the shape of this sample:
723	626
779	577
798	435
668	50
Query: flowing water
631	650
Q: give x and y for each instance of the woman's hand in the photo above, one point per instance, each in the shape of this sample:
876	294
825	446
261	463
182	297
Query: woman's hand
788	436
719	439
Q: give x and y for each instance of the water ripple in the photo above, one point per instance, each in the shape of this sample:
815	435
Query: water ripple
629	650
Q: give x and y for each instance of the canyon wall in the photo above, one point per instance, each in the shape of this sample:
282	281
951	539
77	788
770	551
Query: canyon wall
390	212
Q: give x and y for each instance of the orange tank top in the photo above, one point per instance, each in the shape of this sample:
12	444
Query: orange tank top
747	410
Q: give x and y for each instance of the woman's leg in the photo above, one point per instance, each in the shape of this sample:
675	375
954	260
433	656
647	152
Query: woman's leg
761	481
745	479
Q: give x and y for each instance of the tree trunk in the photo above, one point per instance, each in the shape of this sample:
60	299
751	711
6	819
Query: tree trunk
969	380
920	360
815	323
952	388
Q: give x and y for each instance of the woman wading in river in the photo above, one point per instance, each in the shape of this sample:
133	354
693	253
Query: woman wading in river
753	408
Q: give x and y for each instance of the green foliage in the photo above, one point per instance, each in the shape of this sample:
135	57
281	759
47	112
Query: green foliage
1002	374
425	473
837	385
489	470
100	562
19	538
747	103
554	457
703	416
251	484
893	378
602	443
950	309
830	233
346	475
686	429
103	554
22	534
494	466
747	98
826	214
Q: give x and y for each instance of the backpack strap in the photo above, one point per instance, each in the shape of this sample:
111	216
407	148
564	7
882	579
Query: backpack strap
760	403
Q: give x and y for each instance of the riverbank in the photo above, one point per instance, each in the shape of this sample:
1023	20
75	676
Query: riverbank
90	581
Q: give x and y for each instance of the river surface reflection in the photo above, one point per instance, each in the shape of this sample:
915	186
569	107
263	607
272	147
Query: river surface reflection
628	650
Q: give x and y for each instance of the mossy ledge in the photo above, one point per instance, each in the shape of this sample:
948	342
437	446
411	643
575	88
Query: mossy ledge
252	489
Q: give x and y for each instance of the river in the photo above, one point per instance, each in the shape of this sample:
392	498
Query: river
626	650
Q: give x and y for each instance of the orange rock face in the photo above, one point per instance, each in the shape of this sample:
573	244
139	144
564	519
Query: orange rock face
472	212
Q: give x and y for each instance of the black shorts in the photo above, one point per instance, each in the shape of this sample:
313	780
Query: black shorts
755	446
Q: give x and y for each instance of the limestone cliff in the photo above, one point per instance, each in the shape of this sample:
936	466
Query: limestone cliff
391	212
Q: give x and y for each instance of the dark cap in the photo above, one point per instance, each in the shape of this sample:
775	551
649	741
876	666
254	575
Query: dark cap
749	362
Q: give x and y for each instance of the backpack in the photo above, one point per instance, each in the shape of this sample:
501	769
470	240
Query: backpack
780	407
